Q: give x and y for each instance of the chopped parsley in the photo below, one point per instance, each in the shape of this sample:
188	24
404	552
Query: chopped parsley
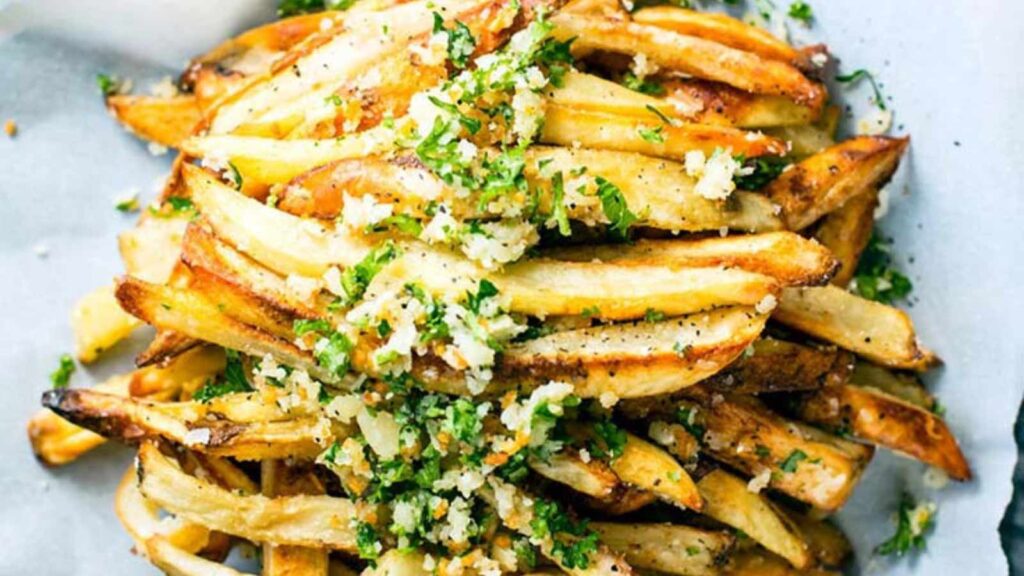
572	541
460	41
402	222
62	375
913	521
615	208
687	418
800	10
876	277
485	290
233	380
174	206
765	170
129	204
652	135
355	279
367	542
108	85
643	86
610	440
557	58
234	176
332	350
859	74
559	213
652	315
790	464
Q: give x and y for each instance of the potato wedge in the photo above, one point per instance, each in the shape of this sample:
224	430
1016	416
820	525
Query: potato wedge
847	231
803	141
728	500
593	478
825	181
565	126
689	54
758	563
648	467
582	91
659	189
132	420
722	29
165	121
826	542
885	420
906	387
623	501
787	257
774	365
315	521
667	548
878	332
98	323
721	104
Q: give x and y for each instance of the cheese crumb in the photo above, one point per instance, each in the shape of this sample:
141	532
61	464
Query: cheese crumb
875	123
608	399
767	304
760	482
197	437
360	212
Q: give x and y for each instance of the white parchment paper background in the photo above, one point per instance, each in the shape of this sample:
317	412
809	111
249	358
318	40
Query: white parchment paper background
952	72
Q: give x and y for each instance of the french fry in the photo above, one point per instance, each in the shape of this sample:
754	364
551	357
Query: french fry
728	500
779	366
56	442
903	386
825	181
593	478
847	231
151	249
787	257
399	563
668	548
758	563
803	140
277	480
826	542
888	421
98	323
132	420
722	29
623	501
688	54
716	103
878	332
141	519
648	467
163	120
176	562
657	188
314	521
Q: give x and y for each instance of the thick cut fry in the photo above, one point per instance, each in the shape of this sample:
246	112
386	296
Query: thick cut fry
56	441
659	189
98	323
827	542
176	562
314	521
787	257
650	468
888	421
165	121
689	54
593	478
720	28
716	103
151	249
565	126
825	181
278	480
581	91
847	231
758	563
804	140
781	366
667	548
132	420
182	375
906	387
878	332
728	500
625	500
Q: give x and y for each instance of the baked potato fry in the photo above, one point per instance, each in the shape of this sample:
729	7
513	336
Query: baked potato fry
878	332
277	479
151	248
593	478
659	189
721	104
55	441
648	467
98	323
885	420
667	548
758	563
163	120
722	29
314	521
132	420
787	257
826	542
690	55
176	562
141	519
906	387
847	231
779	366
728	500
825	181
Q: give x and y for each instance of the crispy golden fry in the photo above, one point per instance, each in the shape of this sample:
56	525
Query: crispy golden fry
659	189
668	548
182	375
566	126
728	500
906	387
804	140
55	441
846	233
688	54
314	521
722	29
593	478
716	103
278	480
757	563
878	332
785	256
132	420
98	323
780	366
886	420
826	542
165	121
399	563
165	346
582	91
176	562
800	461
624	500
825	181
141	519
648	467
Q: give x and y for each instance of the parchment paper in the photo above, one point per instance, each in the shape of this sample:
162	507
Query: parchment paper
951	72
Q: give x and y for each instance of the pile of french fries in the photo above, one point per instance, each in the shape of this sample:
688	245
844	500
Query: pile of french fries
700	389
